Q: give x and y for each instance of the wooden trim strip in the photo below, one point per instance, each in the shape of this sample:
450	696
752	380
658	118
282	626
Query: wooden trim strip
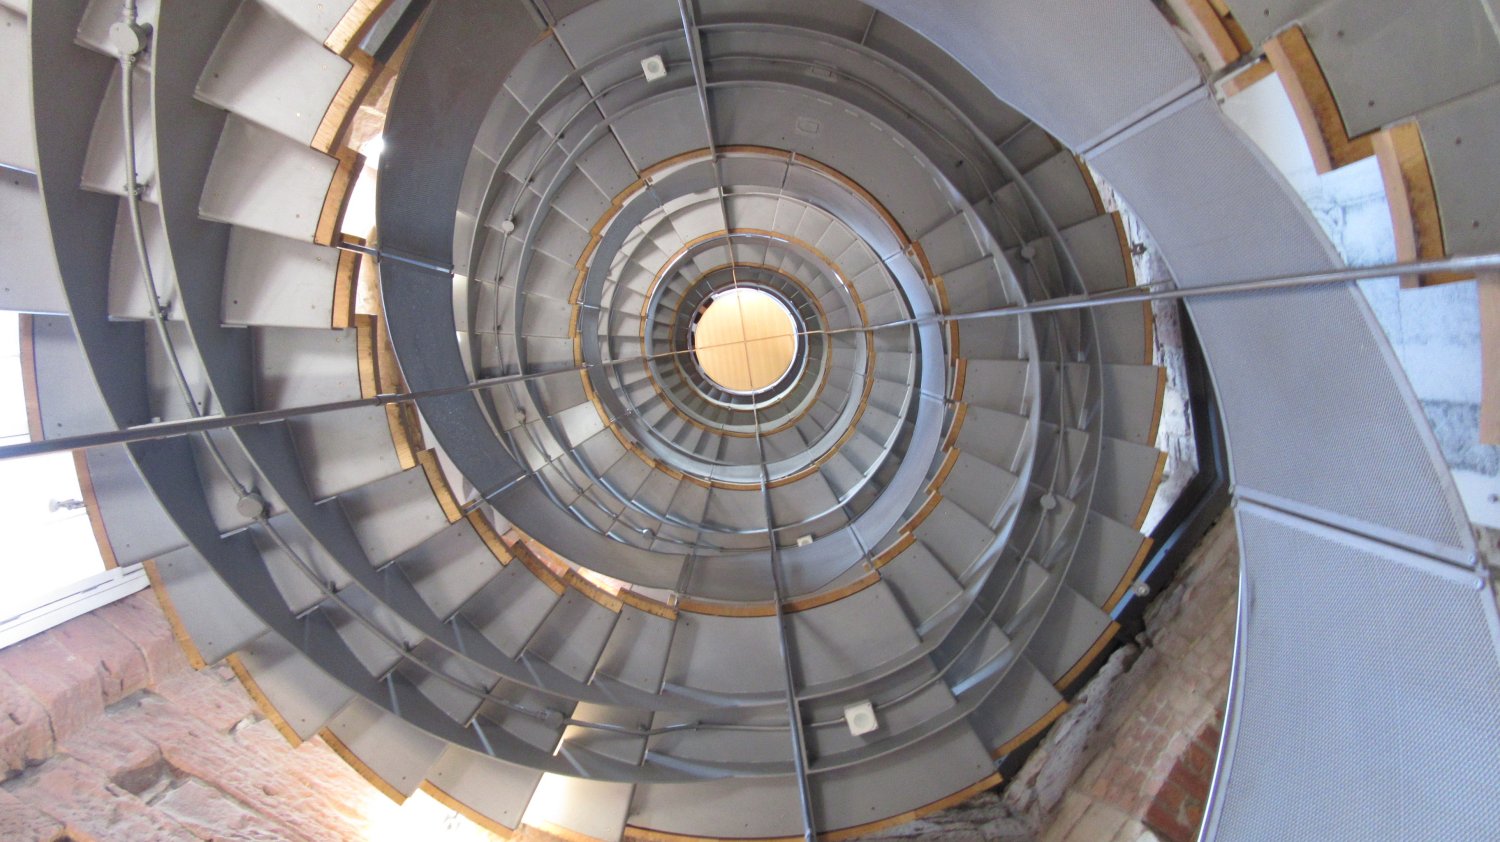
438	481
1126	255
336	200
575	580
346	286
1489	356
563	833
1030	731
538	568
334	127
439	795
1241	81
1093	186
406	433
174	619
1211	32
1312	99
1158	404
28	377
1415	218
693	605
355	25
960	414
262	701
1089	657
360	766
365	339
960	378
491	538
650	606
888	555
91	505
922	513
1130	573
817	600
943	470
1161	467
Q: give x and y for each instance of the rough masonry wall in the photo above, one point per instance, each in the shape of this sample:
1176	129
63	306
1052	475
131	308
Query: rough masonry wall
106	733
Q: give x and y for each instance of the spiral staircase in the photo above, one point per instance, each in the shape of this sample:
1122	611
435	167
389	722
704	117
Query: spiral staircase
530	556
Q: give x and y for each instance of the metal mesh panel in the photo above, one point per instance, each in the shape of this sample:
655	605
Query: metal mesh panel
1314	410
1366	694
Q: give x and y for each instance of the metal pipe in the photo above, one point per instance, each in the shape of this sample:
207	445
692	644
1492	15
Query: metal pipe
378	254
794	712
169	429
172	429
1465	263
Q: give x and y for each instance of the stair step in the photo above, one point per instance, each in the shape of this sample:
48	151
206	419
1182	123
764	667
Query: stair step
1068	633
494	789
288	93
636	654
264	180
208	610
275	281
104	165
29	280
955	537
573	635
590	809
1015	711
302	696
385	746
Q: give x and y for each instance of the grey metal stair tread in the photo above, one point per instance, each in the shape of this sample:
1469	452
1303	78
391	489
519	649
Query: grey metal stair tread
449	568
955	537
27	265
303	696
289	95
849	636
996	436
1133	395
393	514
592	809
573	635
636	653
209	611
62	408
497	790
1013	709
920	582
1107	550
1069	631
395	751
978	486
263	180
1128	473
272	280
137	527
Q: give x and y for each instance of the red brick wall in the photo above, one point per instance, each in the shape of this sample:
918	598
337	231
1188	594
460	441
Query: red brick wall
106	733
1159	739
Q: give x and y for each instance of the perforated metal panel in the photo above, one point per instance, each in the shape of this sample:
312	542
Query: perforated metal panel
1364	696
1315	409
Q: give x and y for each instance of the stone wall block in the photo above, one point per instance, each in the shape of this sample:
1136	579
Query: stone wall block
25	731
139	618
67	687
117	661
